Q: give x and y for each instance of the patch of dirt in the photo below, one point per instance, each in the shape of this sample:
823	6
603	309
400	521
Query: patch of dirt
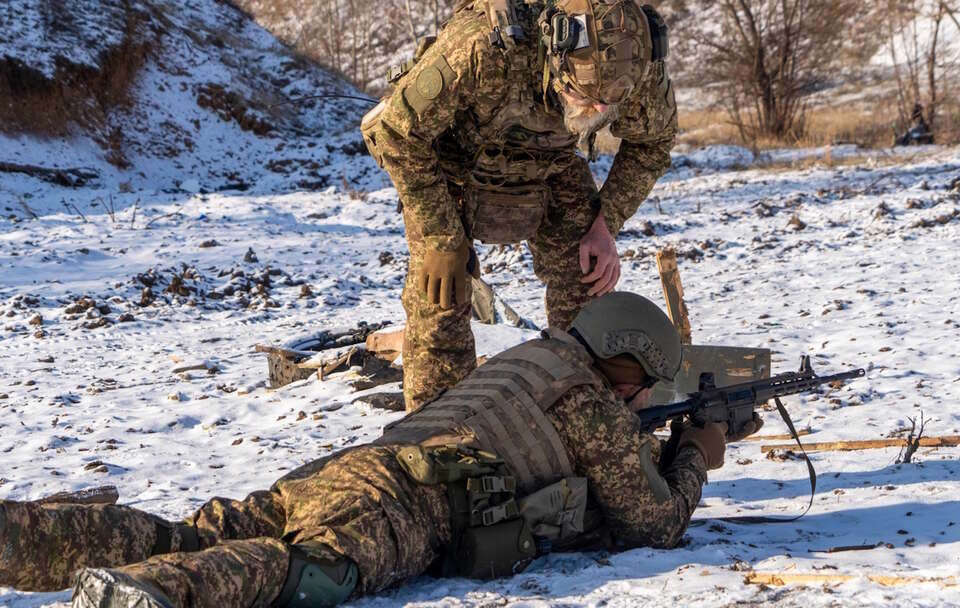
231	106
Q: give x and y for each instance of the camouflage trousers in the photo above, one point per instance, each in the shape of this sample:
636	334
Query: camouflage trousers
358	503
438	347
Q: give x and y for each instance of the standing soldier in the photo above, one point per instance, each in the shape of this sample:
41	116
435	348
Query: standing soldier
480	138
536	450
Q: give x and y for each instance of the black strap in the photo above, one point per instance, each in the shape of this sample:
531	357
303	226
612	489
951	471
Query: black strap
764	519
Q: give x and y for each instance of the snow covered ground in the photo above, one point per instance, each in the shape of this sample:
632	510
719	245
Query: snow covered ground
854	265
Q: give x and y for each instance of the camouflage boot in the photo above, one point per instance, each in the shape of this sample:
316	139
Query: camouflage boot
101	588
42	545
239	574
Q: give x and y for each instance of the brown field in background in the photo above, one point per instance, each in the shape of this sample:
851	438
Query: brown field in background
825	126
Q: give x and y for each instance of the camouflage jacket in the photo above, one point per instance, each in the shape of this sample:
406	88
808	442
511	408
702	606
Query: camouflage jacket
646	499
470	108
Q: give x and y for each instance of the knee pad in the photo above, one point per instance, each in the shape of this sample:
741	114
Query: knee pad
317	583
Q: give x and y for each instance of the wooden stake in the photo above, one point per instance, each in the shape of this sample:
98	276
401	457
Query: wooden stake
673	293
778	579
870	444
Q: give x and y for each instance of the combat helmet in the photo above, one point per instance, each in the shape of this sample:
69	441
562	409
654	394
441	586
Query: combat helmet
623	323
601	49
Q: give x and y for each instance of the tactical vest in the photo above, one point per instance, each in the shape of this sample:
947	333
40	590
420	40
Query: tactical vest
501	408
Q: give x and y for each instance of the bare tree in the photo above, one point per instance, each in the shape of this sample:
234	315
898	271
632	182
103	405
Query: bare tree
769	56
915	43
359	39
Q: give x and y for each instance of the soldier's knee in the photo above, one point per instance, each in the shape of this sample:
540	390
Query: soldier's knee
317	579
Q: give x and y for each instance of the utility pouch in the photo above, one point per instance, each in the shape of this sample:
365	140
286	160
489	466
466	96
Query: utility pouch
557	511
446	463
503	549
504	215
368	127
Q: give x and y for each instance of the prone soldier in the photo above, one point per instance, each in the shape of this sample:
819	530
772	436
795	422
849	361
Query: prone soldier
537	449
480	138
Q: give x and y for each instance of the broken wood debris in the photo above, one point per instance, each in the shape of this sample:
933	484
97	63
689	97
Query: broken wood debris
869	444
284	362
103	495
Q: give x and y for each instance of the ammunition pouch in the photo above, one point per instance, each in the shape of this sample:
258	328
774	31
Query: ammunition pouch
495	551
504	215
494	534
368	127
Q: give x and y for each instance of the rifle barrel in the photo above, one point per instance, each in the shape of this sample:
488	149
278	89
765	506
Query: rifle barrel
789	383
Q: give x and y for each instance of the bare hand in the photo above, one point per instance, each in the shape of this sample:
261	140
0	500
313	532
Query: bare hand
598	244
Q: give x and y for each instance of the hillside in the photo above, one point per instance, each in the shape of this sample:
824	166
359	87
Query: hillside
126	99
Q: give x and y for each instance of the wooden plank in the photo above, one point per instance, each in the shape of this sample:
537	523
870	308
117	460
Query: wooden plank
673	293
779	579
781	437
947	441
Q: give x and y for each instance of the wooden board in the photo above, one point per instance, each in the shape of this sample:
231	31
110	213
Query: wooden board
779	579
728	364
947	441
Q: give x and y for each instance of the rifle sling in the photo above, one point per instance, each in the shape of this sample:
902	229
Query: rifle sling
763	519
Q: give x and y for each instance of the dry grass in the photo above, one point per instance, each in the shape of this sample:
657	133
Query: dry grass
824	126
868	127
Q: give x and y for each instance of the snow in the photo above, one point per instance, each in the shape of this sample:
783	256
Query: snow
173	144
26	27
850	262
856	286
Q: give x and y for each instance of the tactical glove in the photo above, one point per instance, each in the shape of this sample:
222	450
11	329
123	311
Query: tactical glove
710	440
748	429
443	276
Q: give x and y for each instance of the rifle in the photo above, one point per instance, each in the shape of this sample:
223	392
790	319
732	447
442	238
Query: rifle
735	405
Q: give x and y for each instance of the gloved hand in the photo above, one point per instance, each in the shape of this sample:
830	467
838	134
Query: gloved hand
748	429
443	276
710	440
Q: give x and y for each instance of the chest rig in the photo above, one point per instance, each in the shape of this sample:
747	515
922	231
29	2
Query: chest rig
501	408
509	479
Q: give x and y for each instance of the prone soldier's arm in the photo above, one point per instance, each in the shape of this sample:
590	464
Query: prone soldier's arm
456	70
642	504
648	127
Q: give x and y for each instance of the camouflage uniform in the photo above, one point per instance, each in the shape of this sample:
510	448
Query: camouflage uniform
361	503
469	121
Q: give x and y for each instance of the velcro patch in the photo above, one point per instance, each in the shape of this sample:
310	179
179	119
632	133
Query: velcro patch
429	84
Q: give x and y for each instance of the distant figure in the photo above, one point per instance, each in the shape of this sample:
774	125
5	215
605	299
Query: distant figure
919	134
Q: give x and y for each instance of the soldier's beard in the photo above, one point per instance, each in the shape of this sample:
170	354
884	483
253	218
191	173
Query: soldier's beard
584	121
